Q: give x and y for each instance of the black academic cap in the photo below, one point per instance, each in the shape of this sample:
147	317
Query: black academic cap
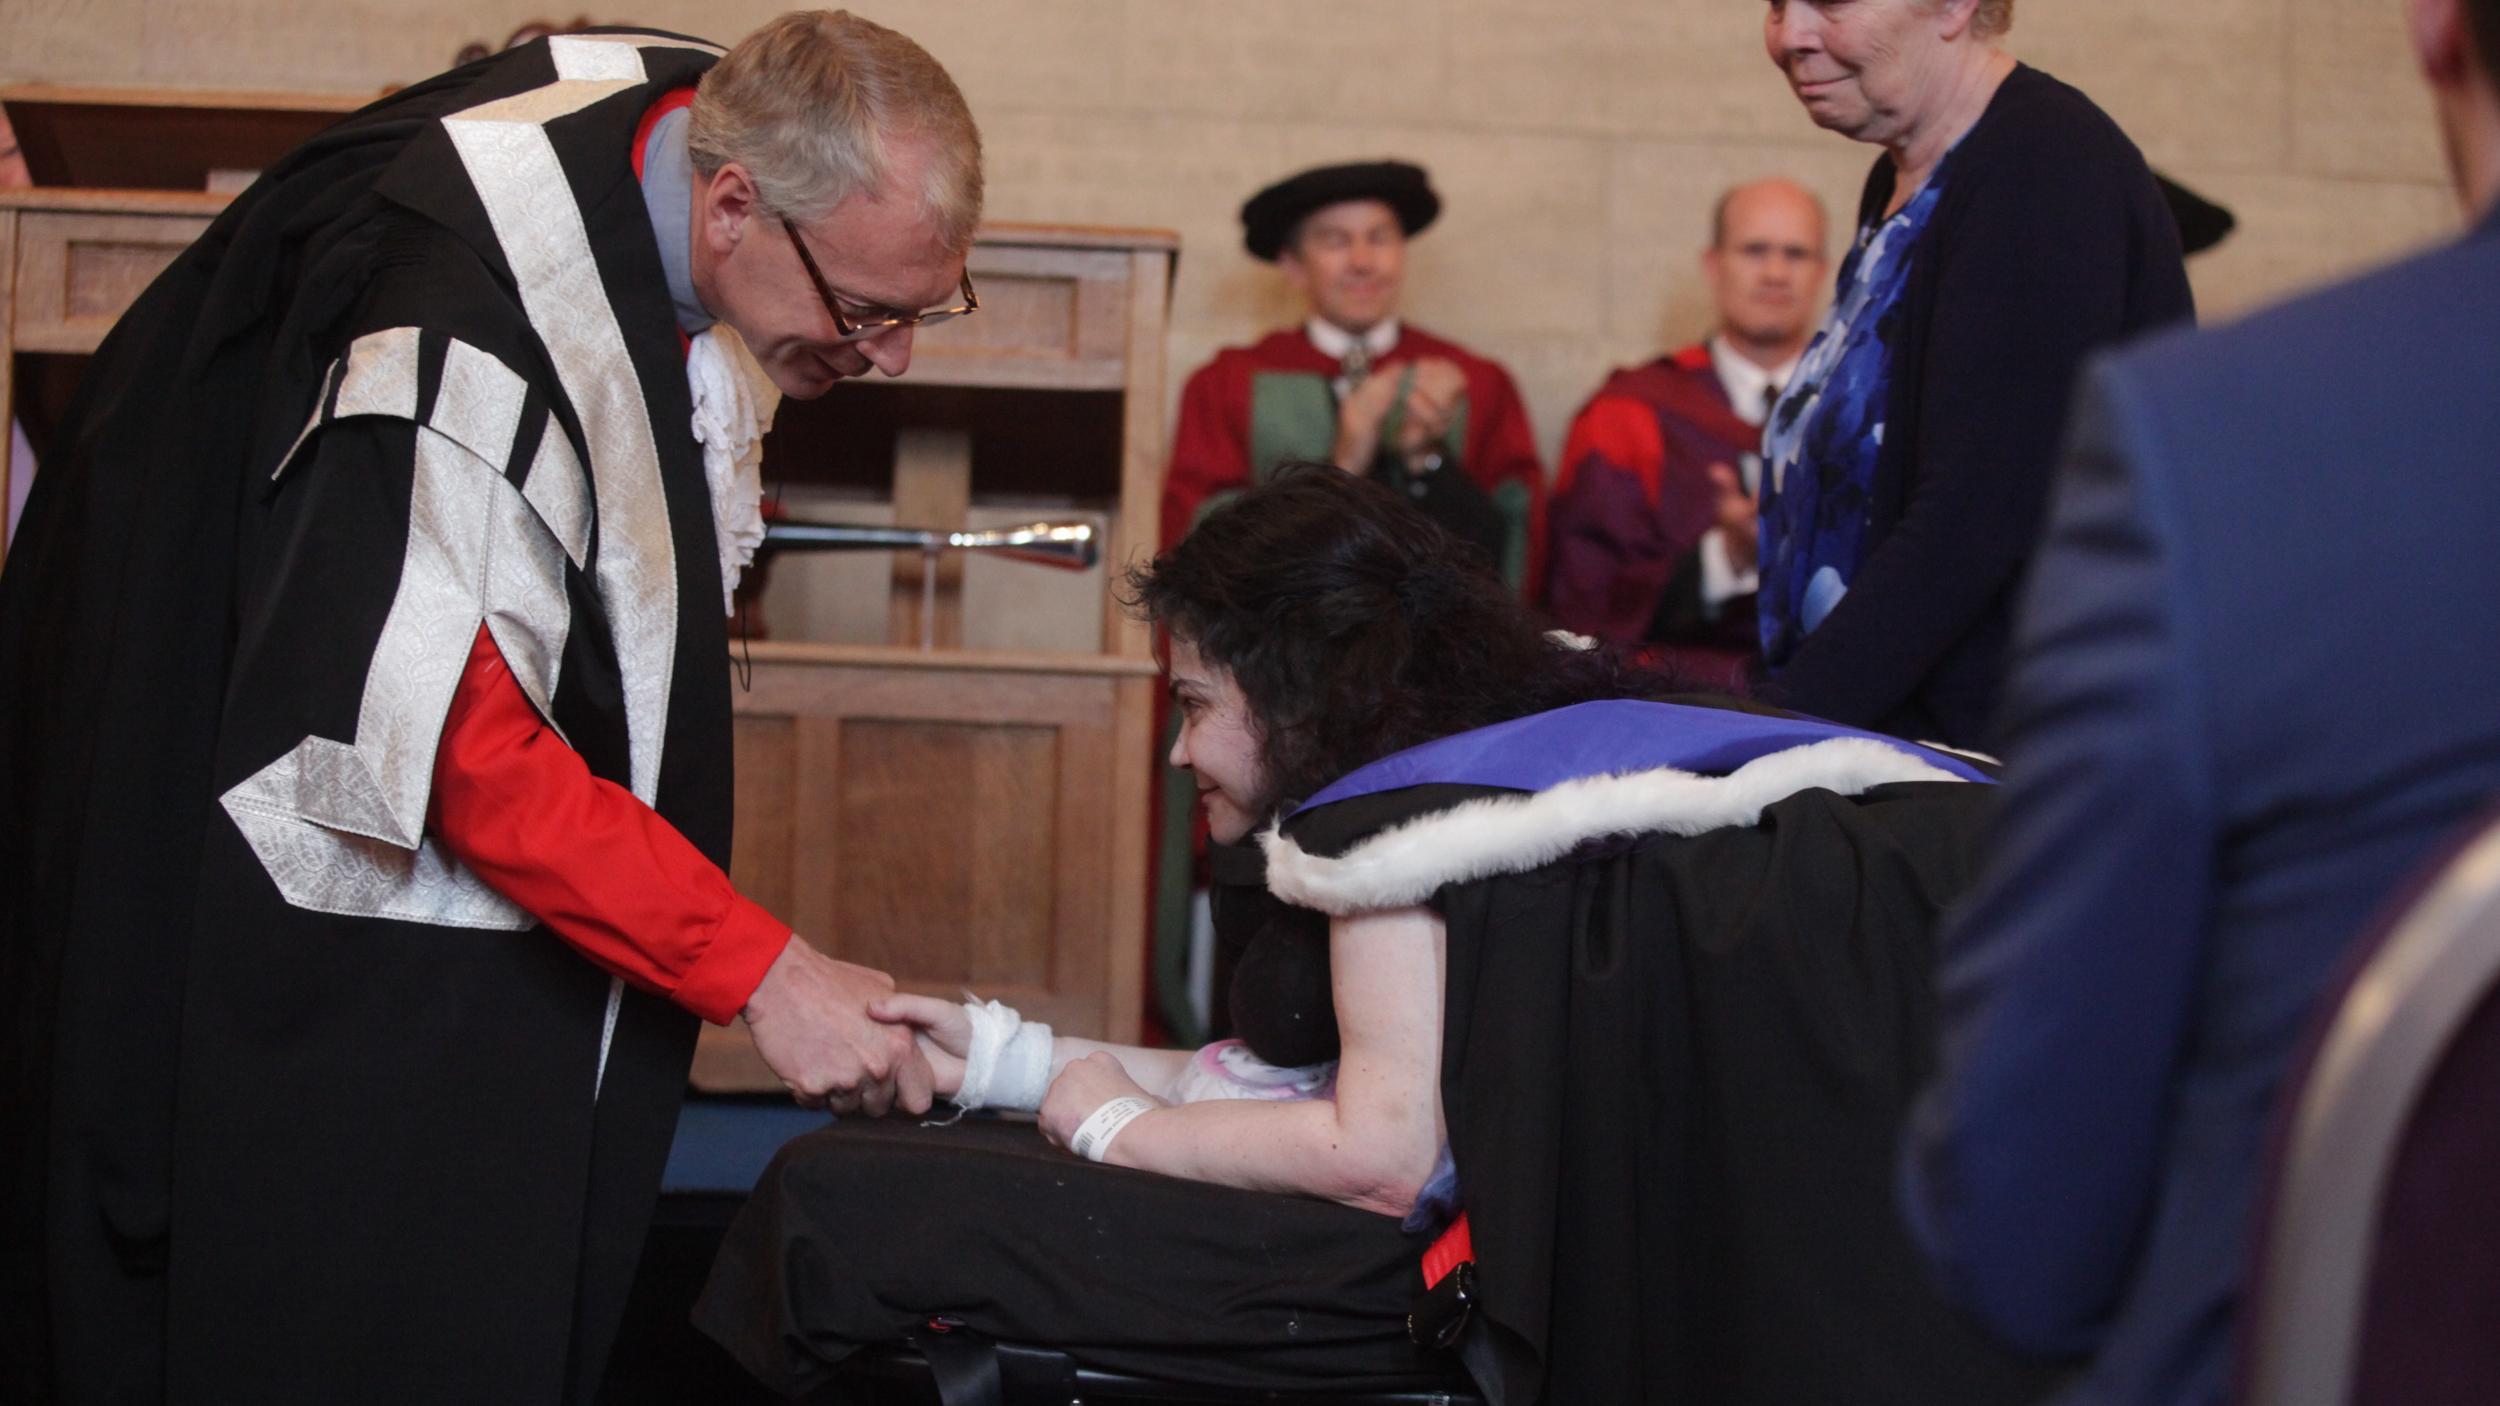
2202	223
1268	218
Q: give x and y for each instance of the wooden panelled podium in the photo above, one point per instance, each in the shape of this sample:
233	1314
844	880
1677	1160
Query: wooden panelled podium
960	818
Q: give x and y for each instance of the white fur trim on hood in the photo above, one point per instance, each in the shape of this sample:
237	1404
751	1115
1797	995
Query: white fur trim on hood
1478	839
734	403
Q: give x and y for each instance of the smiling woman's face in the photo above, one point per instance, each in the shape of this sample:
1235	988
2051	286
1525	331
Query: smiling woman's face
1861	68
1218	744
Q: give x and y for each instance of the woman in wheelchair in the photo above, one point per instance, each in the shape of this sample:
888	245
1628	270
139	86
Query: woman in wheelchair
1309	628
1637	979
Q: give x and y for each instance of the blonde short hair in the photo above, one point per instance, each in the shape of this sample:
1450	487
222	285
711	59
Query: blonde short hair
1993	18
814	105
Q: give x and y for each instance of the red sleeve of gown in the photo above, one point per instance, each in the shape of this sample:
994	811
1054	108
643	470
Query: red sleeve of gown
1615	434
1501	448
582	855
1210	445
1606	557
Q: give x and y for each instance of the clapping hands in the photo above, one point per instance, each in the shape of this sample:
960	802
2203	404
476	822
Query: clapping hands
1433	388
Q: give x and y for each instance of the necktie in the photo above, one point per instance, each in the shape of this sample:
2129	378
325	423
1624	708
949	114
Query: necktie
1356	366
1749	468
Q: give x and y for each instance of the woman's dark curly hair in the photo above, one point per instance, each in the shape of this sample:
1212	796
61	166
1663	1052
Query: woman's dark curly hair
1356	627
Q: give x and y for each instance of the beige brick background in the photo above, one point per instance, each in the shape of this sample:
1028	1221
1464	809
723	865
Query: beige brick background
1578	142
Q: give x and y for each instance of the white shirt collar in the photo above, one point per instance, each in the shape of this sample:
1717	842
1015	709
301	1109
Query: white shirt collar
1334	341
668	196
1745	382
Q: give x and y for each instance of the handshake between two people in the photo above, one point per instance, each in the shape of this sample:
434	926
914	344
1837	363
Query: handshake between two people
842	1039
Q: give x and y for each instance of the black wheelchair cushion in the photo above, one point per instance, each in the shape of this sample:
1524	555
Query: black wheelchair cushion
862	1233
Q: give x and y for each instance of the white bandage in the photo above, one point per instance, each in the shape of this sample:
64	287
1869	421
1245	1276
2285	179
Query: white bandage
1093	1136
1008	1065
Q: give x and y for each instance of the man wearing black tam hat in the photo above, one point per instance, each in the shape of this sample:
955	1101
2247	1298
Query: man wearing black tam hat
1356	386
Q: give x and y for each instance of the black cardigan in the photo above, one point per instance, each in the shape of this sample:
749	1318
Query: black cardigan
2050	242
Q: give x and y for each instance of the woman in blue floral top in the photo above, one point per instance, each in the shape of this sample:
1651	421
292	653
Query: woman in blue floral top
2009	230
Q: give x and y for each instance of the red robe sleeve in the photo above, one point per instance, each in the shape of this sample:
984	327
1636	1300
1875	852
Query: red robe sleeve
1614	434
1608	557
602	870
1210	445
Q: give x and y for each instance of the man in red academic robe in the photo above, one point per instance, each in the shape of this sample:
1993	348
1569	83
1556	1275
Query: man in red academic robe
1653	517
1355	385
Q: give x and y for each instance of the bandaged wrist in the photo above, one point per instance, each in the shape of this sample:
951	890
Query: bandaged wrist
1093	1136
1008	1064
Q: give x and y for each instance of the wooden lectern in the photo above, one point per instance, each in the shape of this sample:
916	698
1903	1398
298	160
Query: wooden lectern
960	818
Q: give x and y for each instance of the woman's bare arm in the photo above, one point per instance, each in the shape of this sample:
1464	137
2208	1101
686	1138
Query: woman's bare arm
1372	1146
1155	1071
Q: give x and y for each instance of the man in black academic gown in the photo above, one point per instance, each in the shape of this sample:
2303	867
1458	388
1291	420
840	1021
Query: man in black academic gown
364	730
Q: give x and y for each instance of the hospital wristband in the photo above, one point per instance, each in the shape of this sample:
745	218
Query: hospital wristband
1093	1136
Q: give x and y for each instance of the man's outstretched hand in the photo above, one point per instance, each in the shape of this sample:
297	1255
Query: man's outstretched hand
810	1020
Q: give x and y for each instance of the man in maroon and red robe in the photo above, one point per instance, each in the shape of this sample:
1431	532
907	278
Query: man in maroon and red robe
1653	516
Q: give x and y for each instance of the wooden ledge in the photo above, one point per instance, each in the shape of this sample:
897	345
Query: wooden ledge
966	661
84	201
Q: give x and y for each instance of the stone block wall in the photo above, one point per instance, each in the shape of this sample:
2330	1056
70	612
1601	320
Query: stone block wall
1578	143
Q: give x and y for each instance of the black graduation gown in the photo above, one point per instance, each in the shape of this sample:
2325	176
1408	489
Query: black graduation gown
296	1108
1675	1073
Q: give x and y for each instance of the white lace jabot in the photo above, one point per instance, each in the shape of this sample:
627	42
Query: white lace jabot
734	403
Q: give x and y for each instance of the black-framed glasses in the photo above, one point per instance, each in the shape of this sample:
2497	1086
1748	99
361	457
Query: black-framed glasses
857	328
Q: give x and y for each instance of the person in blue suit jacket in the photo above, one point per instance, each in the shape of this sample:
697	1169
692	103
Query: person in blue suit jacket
2257	681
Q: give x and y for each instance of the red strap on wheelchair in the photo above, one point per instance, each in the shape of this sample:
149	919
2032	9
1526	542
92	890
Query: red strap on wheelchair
1454	1248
